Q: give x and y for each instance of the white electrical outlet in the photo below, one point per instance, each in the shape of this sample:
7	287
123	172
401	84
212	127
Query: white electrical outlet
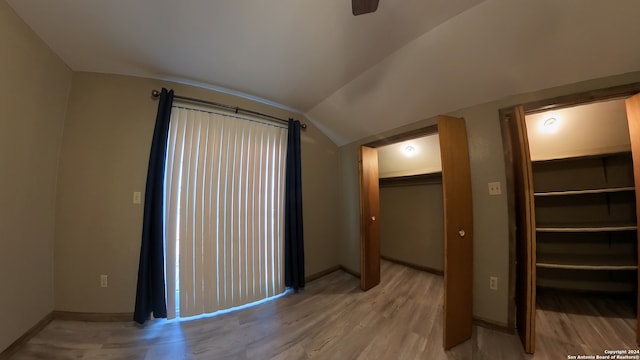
137	197
493	282
104	281
494	188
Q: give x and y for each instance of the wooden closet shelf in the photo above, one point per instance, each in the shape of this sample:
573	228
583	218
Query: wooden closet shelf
585	227
586	191
600	286
587	261
411	180
573	159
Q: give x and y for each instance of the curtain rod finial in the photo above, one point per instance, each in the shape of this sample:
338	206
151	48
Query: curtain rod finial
155	93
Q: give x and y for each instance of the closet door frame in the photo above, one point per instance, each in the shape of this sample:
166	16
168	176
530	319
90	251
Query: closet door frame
522	291
513	145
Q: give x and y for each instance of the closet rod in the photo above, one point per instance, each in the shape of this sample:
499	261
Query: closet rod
156	94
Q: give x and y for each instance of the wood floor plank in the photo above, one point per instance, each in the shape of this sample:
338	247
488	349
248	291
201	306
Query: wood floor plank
333	319
583	324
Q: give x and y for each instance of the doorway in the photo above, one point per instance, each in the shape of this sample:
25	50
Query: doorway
411	212
578	195
458	223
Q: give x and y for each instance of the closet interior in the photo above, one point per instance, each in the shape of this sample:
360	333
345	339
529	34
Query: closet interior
584	196
411	207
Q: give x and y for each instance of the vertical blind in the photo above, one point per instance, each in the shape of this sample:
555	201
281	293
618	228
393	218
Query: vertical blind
224	203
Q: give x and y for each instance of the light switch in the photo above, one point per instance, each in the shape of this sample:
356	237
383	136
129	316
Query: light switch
494	188
137	197
493	282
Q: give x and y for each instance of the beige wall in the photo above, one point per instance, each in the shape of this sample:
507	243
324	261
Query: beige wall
491	240
411	224
104	160
34	85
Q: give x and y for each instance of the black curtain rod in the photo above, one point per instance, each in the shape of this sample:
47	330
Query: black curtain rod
156	94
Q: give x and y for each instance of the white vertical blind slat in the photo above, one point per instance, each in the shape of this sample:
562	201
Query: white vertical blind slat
227	214
209	249
260	238
172	196
269	212
187	273
199	212
281	171
171	178
253	213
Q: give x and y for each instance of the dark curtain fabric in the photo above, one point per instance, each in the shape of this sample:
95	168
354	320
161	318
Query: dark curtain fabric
293	238
150	295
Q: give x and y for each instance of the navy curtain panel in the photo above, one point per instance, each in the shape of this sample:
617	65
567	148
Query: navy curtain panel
150	295
293	237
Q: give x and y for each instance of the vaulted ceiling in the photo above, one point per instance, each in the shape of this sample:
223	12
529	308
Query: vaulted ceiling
352	76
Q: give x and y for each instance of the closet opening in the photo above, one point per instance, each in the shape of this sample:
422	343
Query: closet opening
586	231
411	213
574	238
453	181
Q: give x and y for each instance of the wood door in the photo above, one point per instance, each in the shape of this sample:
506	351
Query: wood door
458	231
369	218
633	117
525	230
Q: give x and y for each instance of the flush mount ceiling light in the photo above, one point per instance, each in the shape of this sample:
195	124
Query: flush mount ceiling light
550	125
409	150
550	122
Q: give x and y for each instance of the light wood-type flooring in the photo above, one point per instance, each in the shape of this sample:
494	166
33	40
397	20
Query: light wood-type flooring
333	319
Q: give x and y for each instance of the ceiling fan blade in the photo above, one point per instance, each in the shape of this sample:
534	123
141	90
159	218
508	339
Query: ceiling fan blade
360	7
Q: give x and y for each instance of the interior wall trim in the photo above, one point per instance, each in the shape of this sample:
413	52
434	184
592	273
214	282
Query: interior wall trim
492	325
412	134
321	273
610	93
33	331
351	272
414	266
92	316
330	270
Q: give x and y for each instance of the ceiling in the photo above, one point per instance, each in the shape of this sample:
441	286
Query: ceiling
595	128
351	76
422	157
